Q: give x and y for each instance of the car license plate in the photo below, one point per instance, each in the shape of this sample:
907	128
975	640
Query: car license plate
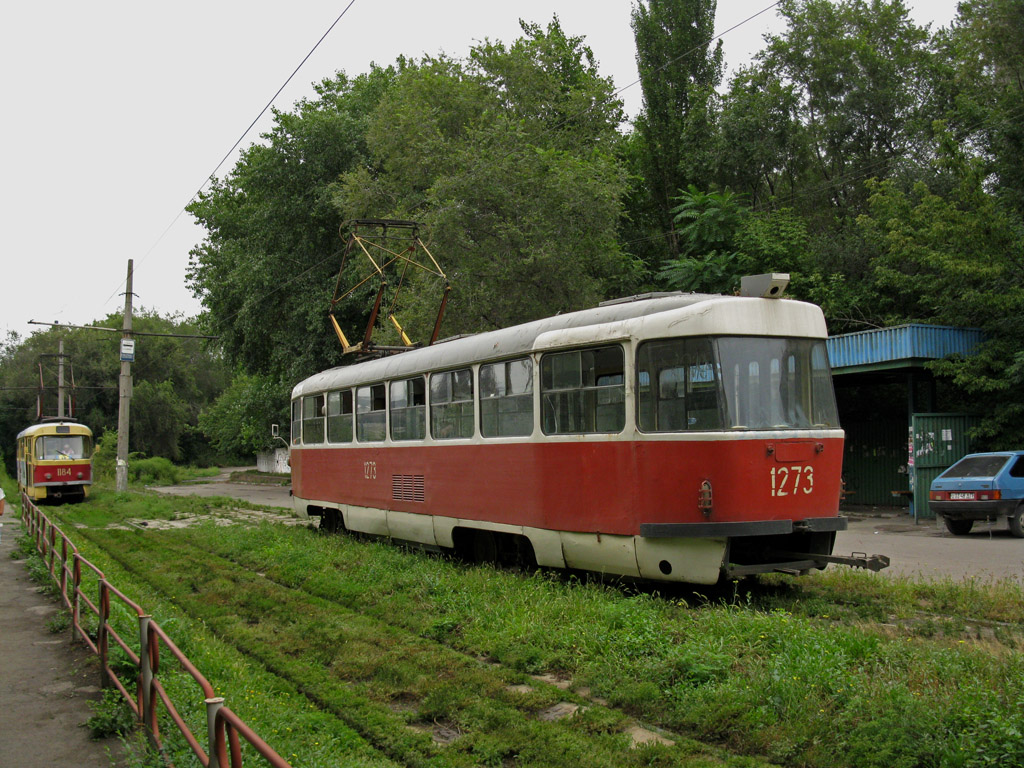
961	496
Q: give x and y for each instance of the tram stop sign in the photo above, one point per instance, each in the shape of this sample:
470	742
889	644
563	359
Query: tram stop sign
127	350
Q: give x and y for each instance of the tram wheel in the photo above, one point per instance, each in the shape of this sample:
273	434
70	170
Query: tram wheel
484	547
331	521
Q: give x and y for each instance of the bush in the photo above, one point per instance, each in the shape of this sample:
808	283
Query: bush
154	471
104	458
110	716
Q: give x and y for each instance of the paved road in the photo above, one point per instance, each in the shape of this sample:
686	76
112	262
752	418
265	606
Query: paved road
46	683
264	495
927	550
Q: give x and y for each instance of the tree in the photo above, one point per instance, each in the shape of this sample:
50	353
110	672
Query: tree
983	89
679	72
239	422
708	225
174	379
265	270
761	149
516	179
858	70
158	417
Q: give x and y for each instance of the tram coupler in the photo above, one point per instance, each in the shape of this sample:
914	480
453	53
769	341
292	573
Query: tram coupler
855	560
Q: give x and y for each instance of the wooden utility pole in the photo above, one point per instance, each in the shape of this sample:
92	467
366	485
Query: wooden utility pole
124	390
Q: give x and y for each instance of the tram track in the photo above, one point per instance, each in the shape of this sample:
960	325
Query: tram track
137	562
390	684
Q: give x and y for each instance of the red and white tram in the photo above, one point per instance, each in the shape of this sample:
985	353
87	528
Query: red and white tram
680	437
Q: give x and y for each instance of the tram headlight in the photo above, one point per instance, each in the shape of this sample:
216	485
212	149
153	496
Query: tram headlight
81	475
48	476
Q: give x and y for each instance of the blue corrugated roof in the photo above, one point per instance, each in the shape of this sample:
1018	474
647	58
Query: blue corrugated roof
900	344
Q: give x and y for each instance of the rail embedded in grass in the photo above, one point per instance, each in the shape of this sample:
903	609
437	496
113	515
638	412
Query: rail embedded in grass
64	565
761	680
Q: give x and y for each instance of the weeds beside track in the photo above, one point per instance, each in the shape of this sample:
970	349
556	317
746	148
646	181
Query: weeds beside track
398	690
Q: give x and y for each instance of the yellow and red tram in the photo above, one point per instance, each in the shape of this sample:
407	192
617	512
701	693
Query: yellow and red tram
681	437
54	459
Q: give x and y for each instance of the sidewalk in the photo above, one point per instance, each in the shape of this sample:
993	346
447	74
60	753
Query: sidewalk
46	682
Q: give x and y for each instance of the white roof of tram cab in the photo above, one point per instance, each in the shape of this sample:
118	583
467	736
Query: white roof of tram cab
638	318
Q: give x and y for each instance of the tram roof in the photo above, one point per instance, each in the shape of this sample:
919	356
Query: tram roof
50	427
522	339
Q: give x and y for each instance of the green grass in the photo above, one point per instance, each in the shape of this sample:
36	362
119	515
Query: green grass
857	595
357	666
839	669
296	727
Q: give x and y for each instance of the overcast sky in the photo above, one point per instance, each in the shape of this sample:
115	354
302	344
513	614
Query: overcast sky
115	112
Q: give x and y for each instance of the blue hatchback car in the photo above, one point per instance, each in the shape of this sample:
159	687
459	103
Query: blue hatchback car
981	486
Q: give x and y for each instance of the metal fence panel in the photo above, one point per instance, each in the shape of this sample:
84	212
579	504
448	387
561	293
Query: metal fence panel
875	463
939	441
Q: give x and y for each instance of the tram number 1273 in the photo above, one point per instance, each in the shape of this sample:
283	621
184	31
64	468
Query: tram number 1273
789	481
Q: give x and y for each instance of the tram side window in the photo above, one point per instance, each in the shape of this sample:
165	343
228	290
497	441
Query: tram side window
371	414
313	419
339	417
296	421
451	404
409	409
583	391
823	396
506	398
677	385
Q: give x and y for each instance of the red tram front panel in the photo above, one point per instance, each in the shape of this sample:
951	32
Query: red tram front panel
71	473
608	487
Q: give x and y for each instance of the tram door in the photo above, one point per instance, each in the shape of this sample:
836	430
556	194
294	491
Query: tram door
24	448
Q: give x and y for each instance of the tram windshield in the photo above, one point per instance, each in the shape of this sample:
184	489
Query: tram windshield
734	383
55	447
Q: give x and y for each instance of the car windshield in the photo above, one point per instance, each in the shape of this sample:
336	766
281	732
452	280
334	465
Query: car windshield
977	466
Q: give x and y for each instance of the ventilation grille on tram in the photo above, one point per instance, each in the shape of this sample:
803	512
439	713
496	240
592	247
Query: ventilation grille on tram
407	487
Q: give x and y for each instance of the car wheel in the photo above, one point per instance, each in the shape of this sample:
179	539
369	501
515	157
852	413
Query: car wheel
1016	521
959	527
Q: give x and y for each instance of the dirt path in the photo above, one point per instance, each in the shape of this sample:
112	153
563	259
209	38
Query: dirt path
46	682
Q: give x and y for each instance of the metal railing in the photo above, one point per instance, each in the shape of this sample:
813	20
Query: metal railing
224	729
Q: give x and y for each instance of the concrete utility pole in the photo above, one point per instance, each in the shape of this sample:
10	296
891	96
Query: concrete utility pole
60	380
125	392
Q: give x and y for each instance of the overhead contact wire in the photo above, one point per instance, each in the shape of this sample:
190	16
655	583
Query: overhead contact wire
241	138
